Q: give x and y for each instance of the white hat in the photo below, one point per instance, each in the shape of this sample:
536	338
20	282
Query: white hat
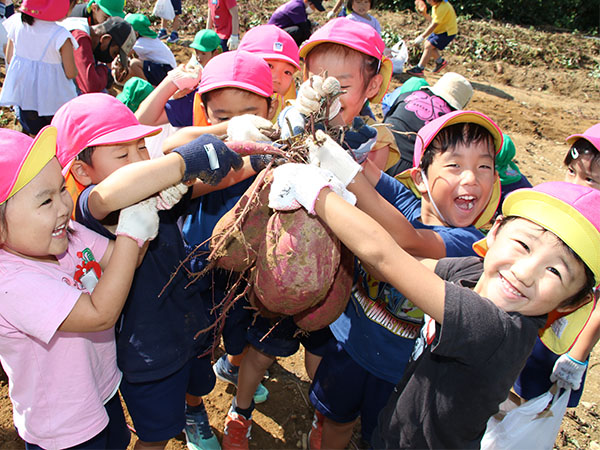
454	89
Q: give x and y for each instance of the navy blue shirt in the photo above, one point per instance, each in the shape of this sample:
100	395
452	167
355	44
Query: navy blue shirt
155	334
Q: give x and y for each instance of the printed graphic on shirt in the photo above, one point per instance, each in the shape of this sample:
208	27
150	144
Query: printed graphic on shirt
384	305
88	271
426	107
426	337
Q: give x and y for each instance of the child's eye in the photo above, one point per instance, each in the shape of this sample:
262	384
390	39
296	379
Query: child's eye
123	156
590	180
46	202
570	171
142	148
555	272
486	166
522	244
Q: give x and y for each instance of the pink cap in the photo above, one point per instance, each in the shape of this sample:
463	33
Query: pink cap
592	134
94	119
358	36
22	158
429	131
271	42
50	10
237	69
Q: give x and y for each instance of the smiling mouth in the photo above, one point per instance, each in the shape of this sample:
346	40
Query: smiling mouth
510	288
59	231
465	202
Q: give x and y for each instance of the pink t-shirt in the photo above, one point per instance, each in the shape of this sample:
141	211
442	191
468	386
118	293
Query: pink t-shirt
219	11
58	381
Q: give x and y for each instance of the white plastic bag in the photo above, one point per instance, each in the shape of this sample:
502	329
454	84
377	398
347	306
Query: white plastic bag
164	10
528	425
399	56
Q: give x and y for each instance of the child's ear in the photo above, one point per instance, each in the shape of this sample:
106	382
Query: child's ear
491	236
584	301
81	172
417	177
105	41
273	107
374	85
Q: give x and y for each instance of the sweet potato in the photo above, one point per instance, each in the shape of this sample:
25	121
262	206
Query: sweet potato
334	303
238	252
249	148
296	263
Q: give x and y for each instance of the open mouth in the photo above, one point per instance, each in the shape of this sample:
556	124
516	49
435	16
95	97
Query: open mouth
508	287
60	232
465	202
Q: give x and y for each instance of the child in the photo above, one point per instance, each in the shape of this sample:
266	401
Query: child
156	345
63	288
562	360
481	329
206	45
511	177
224	19
97	11
154	59
292	17
353	54
439	34
379	318
174	36
360	13
280	51
40	54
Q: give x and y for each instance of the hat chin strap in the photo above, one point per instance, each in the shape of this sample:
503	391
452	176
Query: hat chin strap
431	197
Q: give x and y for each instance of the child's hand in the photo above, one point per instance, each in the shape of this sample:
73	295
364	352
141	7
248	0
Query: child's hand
167	198
296	185
420	6
184	78
326	153
360	139
313	90
248	127
139	222
208	159
568	372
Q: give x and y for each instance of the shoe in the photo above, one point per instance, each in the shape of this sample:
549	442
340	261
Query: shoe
237	431
227	372
439	66
416	71
174	38
198	433
162	34
316	432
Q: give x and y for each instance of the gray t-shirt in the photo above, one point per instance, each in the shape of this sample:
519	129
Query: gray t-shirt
462	370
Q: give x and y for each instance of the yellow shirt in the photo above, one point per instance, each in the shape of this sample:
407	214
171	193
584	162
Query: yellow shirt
443	14
384	138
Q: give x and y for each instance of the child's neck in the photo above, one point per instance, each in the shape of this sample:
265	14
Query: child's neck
364	16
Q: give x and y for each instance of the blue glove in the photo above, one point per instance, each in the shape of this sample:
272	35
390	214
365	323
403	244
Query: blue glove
208	159
291	117
360	139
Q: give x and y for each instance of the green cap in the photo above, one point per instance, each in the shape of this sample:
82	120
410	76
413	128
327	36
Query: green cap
135	90
113	8
141	24
413	84
507	169
206	41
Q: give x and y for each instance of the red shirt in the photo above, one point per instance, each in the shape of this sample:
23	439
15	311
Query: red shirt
219	11
91	75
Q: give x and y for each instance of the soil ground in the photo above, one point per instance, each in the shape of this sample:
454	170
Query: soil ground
539	86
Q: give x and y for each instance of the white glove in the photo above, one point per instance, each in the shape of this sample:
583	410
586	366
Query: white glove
296	185
169	197
327	154
290	122
568	372
247	127
139	221
313	90
418	40
233	42
330	14
185	78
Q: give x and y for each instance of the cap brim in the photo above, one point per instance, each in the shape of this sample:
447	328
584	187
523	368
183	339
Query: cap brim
386	70
234	84
42	150
112	13
278	57
123	58
479	119
594	141
128	134
444	95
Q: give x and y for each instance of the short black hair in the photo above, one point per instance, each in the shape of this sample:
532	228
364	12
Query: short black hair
582	147
450	136
85	155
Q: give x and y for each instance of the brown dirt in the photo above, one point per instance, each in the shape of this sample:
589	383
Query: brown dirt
539	86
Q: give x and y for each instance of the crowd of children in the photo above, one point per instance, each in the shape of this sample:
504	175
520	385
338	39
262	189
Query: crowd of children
100	242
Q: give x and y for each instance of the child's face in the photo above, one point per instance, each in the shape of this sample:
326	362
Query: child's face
223	104
283	73
584	171
460	183
527	269
108	158
361	7
37	216
203	57
348	72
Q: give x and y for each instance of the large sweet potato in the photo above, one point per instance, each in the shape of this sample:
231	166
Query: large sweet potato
296	262
239	251
334	303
